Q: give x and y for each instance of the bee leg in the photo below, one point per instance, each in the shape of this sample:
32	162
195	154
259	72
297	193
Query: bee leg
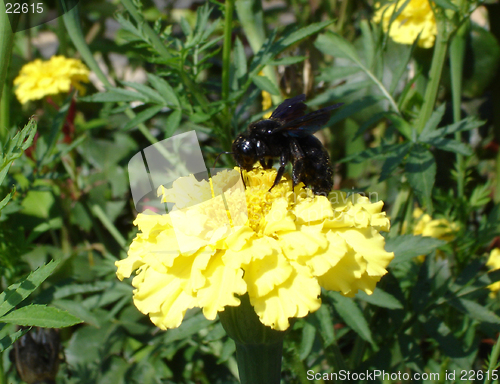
298	158
283	161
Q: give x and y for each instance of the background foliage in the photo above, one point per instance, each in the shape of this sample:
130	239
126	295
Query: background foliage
420	127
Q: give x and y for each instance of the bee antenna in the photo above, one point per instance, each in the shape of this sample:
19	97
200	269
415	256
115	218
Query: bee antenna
219	155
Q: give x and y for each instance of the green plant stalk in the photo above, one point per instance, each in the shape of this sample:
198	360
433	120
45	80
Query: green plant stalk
493	361
251	18
5	111
258	348
457	53
99	213
226	54
438	59
2	373
6	45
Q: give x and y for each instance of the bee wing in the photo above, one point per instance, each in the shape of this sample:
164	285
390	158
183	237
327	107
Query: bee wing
290	109
308	124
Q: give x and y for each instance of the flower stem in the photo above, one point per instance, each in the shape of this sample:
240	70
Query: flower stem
259	363
437	64
6	44
457	52
258	348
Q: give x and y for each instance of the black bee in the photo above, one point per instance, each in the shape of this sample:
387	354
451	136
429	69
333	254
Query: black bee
287	135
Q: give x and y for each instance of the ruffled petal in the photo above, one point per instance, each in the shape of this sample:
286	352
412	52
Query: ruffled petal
296	297
222	284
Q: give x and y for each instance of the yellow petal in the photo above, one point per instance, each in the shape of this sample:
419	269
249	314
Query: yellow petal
370	244
222	284
296	297
264	274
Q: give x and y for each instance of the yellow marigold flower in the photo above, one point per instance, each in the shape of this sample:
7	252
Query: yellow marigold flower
417	17
494	263
438	228
38	78
279	246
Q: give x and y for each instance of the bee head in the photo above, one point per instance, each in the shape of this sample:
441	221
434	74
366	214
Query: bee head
244	152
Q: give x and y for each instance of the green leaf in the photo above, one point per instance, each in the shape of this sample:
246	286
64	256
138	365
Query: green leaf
433	121
446	4
451	145
380	152
14	147
352	315
326	325
7	198
337	73
143	116
421	173
475	310
115	95
8	340
480	196
288	60
401	125
294	36
40	316
331	43
352	108
406	247
56	128
16	293
172	122
264	84
380	299
187	328
483	57
148	92
394	159
463	125
78	310
240	59
166	91
368	42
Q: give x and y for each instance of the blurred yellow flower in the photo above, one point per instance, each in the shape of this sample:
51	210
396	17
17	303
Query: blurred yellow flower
494	263
417	17
267	103
438	228
38	78
279	246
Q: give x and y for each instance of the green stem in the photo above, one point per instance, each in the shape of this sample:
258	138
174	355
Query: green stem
3	379
258	348
493	363
5	110
457	52
259	363
6	44
226	54
437	64
99	213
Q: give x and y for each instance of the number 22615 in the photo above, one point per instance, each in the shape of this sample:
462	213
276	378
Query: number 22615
23	8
